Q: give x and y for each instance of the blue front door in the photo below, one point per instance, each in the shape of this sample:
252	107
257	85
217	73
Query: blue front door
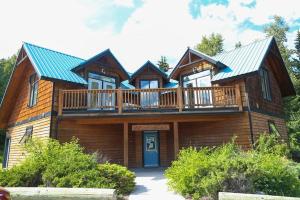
151	149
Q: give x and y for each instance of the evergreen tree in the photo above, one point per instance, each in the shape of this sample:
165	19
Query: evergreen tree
278	28
296	58
163	64
238	44
211	45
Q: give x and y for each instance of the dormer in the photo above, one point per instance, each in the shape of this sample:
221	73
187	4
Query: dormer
195	69
101	70
148	75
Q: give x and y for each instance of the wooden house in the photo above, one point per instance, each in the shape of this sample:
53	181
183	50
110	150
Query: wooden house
143	119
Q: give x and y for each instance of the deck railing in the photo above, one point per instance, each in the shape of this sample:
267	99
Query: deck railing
124	100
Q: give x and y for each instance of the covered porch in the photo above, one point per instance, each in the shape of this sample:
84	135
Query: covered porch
152	141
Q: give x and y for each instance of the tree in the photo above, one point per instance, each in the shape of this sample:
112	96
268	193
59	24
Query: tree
278	28
211	45
238	44
296	58
163	64
6	66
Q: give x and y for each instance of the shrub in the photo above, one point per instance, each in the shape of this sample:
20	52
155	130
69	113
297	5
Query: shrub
50	163
118	177
205	172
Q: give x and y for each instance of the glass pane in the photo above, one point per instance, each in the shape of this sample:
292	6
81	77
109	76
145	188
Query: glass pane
101	77
151	143
145	84
154	84
273	129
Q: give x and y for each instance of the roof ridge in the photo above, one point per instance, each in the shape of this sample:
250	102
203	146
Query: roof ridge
251	43
53	50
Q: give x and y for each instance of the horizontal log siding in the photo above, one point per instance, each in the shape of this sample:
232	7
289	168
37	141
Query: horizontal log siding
21	111
260	124
107	139
200	134
41	129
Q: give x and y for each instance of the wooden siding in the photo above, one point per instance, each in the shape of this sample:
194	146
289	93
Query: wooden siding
41	129
20	110
260	125
106	139
200	134
256	100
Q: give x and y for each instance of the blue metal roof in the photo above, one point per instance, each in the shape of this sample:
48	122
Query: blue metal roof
171	84
126	85
52	64
243	60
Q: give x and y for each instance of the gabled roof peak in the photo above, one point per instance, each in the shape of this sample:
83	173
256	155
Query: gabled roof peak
153	66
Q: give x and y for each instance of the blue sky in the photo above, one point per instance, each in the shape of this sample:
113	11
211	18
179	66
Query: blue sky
137	30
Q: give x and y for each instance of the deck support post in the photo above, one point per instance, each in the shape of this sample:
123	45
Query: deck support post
120	100
238	97
176	139
60	102
125	136
179	99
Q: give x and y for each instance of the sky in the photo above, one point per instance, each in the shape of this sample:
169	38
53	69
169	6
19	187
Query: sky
137	30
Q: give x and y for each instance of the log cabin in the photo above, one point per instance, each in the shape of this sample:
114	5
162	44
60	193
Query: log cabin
143	119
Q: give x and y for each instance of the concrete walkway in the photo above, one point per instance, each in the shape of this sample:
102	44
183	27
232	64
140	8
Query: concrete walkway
151	184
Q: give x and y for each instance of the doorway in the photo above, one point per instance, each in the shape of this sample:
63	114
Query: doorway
151	148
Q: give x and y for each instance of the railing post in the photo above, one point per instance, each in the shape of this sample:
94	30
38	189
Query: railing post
120	100
179	99
60	102
238	97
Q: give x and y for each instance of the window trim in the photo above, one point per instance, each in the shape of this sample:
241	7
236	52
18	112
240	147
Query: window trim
27	135
6	151
265	84
33	87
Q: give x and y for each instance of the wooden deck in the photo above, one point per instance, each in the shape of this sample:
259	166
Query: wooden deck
125	101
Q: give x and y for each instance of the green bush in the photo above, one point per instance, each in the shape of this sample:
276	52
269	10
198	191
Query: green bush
51	164
205	172
118	177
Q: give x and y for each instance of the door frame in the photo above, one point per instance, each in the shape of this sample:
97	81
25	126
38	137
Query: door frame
158	148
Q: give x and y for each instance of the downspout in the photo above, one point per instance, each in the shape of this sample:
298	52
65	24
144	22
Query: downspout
249	114
52	111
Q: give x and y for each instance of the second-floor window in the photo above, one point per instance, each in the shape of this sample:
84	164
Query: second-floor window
33	90
265	84
201	79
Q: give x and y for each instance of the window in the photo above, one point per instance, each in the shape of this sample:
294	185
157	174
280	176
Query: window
6	152
197	97
265	84
33	86
201	79
27	135
273	129
149	99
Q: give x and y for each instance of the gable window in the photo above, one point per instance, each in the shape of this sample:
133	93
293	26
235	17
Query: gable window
33	90
273	129
6	152
265	84
27	135
197	97
201	79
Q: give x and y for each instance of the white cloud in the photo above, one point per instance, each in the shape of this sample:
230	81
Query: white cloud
125	3
156	28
